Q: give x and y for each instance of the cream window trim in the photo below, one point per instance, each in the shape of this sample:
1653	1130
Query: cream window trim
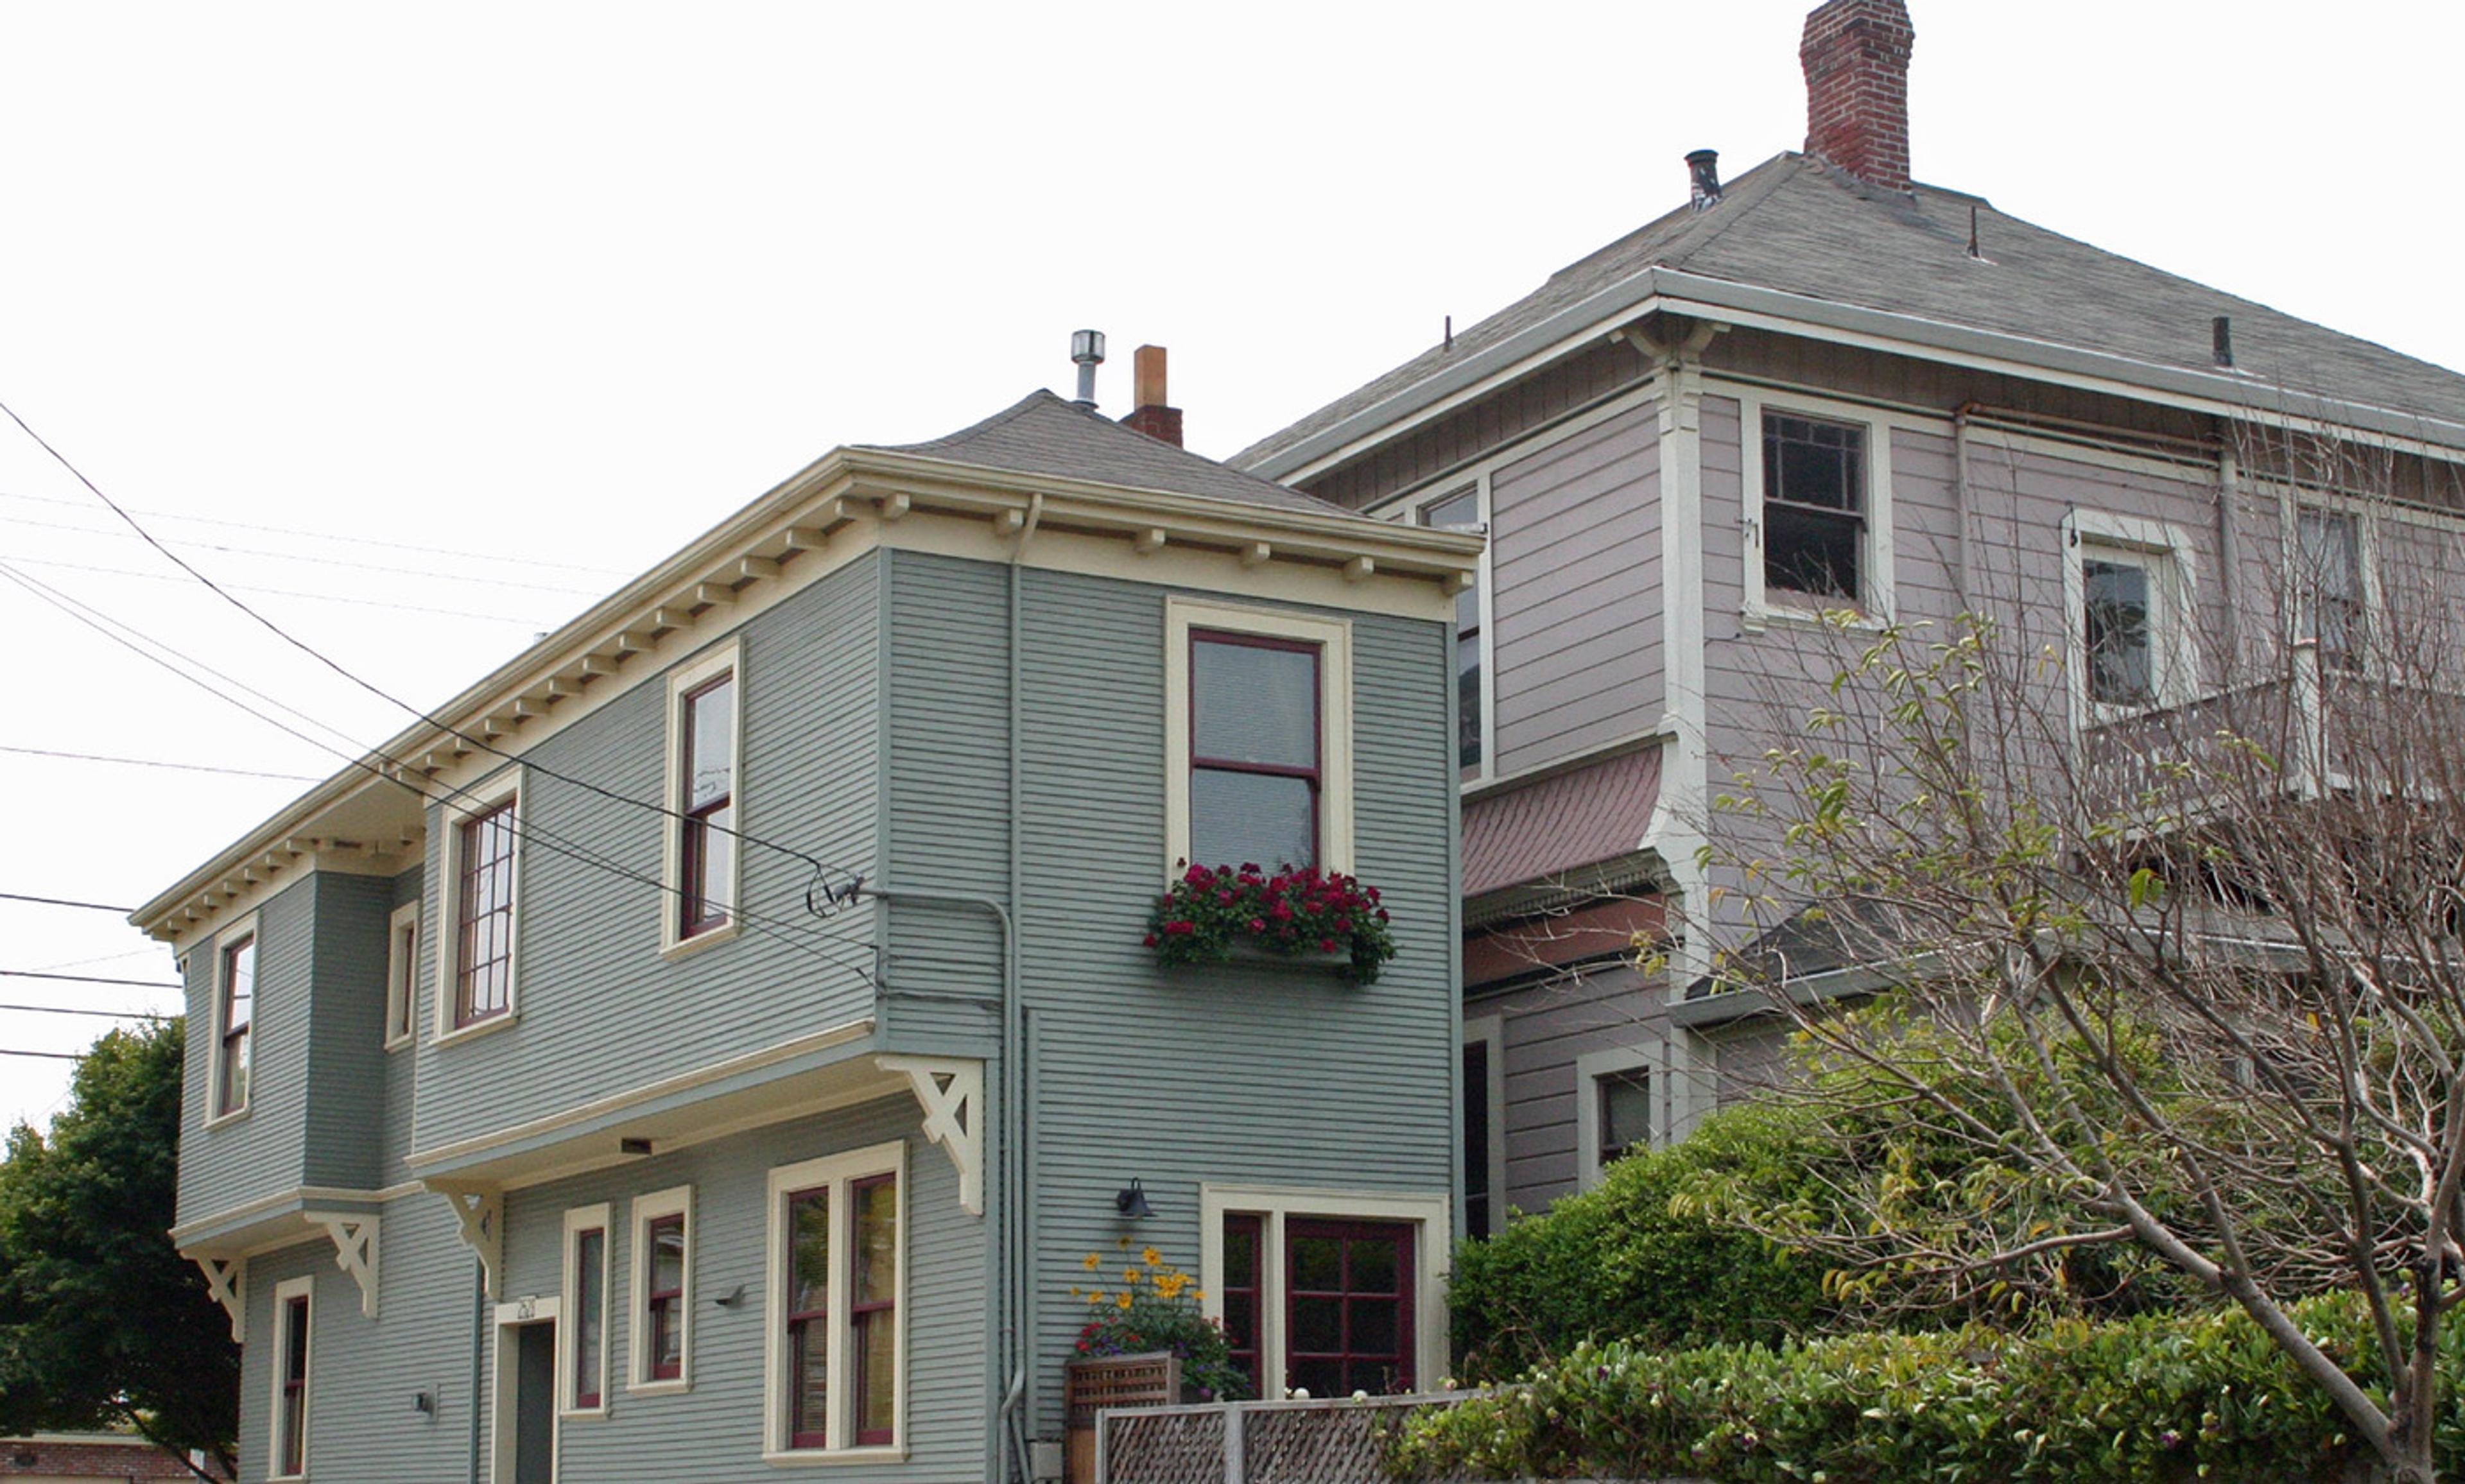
837	1172
2166	552
284	1292
232	936
472	803
728	659
1490	1030
675	1201
1479	487
1875	602
1334	638
580	1219
402	976
1433	1249
2301	601
1591	1068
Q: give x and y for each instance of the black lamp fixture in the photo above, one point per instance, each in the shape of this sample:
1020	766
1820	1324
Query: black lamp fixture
1132	1203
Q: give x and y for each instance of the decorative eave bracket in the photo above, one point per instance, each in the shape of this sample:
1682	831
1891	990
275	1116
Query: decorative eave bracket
355	1250
480	1209
952	1091
227	1280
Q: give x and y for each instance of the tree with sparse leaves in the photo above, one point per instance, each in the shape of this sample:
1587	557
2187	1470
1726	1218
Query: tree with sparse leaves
102	1323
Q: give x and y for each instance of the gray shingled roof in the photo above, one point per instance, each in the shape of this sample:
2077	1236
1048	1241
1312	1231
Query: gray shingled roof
1041	433
1794	224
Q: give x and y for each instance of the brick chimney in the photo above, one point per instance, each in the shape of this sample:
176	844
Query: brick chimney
1855	54
1152	418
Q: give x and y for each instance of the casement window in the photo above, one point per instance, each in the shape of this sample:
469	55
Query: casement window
2329	585
1461	510
705	725
835	1353
293	1328
234	1018
1258	728
477	957
2127	588
401	976
1328	1291
582	1369
1817	490
662	1289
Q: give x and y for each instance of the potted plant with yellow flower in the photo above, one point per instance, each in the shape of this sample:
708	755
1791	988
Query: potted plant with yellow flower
1144	1344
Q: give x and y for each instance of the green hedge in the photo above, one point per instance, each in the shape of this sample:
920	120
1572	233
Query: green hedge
1613	1262
2182	1397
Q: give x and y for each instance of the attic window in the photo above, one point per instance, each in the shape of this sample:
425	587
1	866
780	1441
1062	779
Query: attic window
1814	506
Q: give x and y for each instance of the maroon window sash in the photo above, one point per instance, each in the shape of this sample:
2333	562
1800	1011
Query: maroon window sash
484	967
1313	775
663	1304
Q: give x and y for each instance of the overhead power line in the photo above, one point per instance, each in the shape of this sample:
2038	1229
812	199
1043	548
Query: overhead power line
285	593
46	1055
392	568
62	901
86	979
184	767
62	1009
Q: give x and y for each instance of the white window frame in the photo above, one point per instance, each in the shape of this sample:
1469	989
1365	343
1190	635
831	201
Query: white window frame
2164	550
837	1172
1490	1030
1410	512
578	1220
1432	1216
220	960
284	1292
727	659
1334	638
402	976
1876	603
2300	502
675	1201
472	803
1591	1069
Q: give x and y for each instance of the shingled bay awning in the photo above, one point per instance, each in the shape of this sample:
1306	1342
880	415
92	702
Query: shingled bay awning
1560	823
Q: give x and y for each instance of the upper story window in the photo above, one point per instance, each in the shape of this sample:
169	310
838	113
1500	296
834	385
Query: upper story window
234	1018
662	1327
1260	726
1814	506
703	753
292	1321
835	1352
483	966
1461	511
402	975
2117	624
2128	585
2329	544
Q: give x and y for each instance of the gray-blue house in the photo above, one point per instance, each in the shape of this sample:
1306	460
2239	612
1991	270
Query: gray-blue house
711	1042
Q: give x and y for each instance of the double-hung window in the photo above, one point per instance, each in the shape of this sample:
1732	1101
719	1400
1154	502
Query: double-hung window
2329	546
702	859
2128	589
1619	1107
582	1384
292	1330
402	975
477	935
662	1286
1817	496
234	1018
835	1353
1461	511
1260	731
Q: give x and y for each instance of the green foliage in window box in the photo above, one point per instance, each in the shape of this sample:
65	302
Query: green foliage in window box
1155	1308
1295	913
2155	1398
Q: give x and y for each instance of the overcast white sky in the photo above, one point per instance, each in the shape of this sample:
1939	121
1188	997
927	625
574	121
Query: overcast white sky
470	311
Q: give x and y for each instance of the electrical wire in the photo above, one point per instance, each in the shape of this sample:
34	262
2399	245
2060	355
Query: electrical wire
184	767
388	567
286	593
821	869
86	979
46	1055
62	901
62	1009
523	830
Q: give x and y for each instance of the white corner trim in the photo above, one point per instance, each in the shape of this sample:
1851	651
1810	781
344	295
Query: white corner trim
1434	1215
227	1282
675	1201
951	1091
837	1173
1334	638
355	1249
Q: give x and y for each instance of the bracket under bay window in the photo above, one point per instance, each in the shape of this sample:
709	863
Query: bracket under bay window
952	1091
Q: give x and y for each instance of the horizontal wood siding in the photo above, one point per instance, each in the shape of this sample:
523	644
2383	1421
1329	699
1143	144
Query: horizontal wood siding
599	1009
1574	578
713	1432
259	1154
347	1060
1545	1027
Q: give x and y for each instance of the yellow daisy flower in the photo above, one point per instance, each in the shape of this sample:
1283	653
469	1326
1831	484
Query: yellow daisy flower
1152	1257
1122	1302
1093	1262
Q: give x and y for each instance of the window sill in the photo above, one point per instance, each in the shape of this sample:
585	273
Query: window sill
597	1413
401	1043
676	1387
707	938
227	1120
808	1458
1758	616
475	1030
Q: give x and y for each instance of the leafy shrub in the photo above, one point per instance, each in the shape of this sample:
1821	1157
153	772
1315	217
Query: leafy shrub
2155	1398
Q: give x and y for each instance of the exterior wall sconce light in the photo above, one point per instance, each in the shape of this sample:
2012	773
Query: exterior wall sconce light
424	1403
1132	1203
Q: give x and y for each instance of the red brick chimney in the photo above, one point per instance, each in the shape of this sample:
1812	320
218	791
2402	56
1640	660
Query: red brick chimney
1857	59
1152	418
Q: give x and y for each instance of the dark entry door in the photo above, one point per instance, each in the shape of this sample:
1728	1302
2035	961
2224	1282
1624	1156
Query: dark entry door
1348	1327
534	1403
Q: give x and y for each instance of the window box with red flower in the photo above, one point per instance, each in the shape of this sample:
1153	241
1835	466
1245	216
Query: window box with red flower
1298	914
